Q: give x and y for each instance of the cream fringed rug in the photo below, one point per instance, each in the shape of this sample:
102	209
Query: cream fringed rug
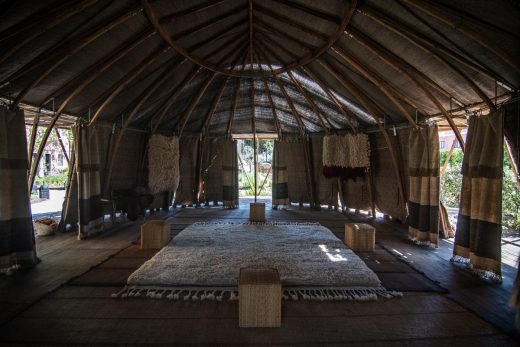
204	260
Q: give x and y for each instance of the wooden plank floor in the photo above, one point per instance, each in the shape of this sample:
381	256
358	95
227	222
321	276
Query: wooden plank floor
442	306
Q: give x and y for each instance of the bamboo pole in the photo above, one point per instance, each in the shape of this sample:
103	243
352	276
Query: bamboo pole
437	50
438	11
62	145
408	70
372	109
447	161
32	28
83	42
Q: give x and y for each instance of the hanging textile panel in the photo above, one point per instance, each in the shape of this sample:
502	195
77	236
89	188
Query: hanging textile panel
387	196
290	154
128	161
356	193
211	170
346	156
512	131
479	224
163	164
16	228
89	181
185	194
230	174
326	188
423	200
280	178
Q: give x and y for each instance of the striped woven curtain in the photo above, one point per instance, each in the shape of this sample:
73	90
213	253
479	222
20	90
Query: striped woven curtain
16	227
479	225
230	174
90	219
423	201
280	178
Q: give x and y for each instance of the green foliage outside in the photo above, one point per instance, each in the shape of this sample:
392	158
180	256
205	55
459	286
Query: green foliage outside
451	183
55	181
247	187
246	181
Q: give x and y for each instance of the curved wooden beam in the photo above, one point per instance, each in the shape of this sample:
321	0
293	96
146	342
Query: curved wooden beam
305	95
270	98
173	96
459	48
95	70
312	12
129	77
152	17
155	85
288	21
319	82
83	42
438	12
194	103
213	107
375	79
378	49
235	98
35	28
294	112
197	8
400	65
438	51
367	104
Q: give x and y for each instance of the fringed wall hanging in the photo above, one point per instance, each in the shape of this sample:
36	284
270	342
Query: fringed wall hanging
346	156
17	249
163	163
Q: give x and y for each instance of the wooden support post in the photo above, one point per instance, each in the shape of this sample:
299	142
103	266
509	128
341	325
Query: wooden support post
447	161
255	156
371	192
32	142
64	150
198	168
512	163
372	109
309	168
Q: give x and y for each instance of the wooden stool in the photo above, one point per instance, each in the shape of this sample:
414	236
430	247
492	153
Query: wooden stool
260	298
155	234
360	237
257	212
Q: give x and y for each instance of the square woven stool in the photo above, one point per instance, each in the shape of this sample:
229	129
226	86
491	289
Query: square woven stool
155	234
257	212
259	298
360	237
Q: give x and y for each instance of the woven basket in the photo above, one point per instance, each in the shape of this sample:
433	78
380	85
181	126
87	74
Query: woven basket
45	226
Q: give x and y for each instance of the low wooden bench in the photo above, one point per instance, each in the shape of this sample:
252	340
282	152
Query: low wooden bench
260	298
360	237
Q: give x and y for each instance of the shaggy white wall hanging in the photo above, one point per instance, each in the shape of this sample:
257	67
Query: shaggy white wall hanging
163	163
346	156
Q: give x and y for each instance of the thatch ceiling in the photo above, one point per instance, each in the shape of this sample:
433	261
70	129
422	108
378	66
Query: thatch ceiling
296	65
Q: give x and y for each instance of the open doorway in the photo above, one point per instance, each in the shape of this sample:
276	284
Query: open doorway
255	176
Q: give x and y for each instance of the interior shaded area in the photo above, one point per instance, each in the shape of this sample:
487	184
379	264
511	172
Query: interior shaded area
79	309
340	103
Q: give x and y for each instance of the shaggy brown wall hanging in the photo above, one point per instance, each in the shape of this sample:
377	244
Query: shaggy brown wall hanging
163	163
346	156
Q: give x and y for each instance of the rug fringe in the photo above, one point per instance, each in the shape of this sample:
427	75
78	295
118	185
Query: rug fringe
255	223
486	275
221	294
423	243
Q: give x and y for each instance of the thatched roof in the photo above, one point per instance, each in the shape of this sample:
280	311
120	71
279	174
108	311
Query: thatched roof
297	65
